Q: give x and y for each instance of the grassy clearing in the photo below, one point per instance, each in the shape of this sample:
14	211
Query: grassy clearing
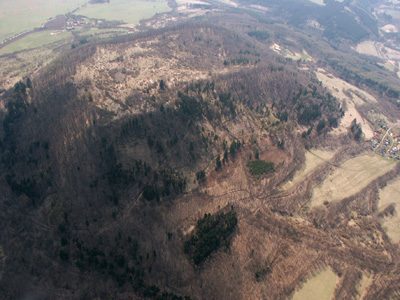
125	10
305	56
391	195
353	96
390	67
320	287
367	47
337	86
21	15
296	56
314	158
348	179
36	40
366	281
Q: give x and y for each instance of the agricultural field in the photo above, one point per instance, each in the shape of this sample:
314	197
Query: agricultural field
350	177
320	2
125	10
391	195
320	287
18	16
36	40
314	158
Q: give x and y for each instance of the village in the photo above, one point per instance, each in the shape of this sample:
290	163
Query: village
77	22
385	142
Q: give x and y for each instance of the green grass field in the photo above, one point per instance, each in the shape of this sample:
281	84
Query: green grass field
320	287
36	40
129	11
21	15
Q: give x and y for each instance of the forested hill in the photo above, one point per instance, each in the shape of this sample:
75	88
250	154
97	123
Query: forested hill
337	21
93	171
223	157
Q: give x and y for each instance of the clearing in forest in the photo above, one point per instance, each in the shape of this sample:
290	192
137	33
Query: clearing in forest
320	287
350	177
338	87
367	47
352	96
387	196
314	158
364	284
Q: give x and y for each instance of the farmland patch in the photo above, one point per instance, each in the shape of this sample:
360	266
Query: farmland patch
320	287
314	158
350	177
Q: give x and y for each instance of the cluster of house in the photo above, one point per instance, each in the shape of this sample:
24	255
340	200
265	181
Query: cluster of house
73	24
386	147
